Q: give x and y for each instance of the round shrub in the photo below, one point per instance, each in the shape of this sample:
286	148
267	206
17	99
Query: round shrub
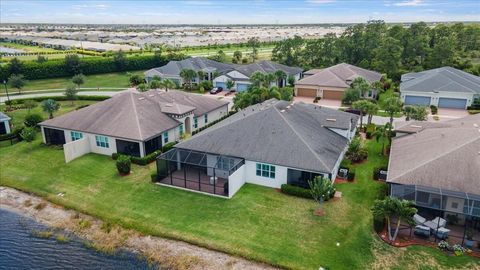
33	119
124	164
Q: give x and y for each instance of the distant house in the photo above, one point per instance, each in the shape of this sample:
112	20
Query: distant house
269	144
241	74
219	73
4	123
330	83
172	70
132	123
444	87
438	167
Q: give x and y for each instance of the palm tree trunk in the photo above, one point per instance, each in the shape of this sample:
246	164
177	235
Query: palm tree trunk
397	229
361	120
389	229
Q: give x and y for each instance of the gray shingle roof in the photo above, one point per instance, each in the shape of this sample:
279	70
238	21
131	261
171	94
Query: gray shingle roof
447	157
444	79
277	132
133	115
4	117
266	67
340	75
195	63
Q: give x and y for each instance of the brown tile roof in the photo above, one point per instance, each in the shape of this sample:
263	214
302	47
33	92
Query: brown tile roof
340	76
133	115
441	157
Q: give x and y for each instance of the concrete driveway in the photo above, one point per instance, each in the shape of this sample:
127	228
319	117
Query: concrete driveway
446	114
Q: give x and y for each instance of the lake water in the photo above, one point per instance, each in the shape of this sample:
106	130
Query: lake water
19	249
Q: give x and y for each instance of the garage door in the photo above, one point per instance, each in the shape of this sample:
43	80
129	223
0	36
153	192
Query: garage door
305	92
417	100
329	94
455	103
242	87
221	84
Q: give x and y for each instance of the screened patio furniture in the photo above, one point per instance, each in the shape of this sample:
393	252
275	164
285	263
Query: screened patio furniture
419	220
422	231
442	233
436	223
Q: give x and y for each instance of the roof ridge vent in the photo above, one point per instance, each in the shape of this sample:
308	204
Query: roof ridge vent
282	111
331	119
141	98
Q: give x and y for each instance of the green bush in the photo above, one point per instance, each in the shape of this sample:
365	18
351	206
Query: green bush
378	224
33	119
154	177
168	146
296	191
123	164
351	175
56	98
433	109
142	161
376	171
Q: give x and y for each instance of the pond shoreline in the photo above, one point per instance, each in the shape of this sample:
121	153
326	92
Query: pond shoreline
108	237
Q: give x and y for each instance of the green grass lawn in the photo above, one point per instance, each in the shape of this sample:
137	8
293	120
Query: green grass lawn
26	48
117	79
18	116
258	223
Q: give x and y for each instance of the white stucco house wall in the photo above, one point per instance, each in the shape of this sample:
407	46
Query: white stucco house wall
4	124
142	123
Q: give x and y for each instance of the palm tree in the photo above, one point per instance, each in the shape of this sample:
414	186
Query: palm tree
50	106
201	75
167	84
372	109
362	106
280	75
230	84
268	79
257	78
392	105
188	75
396	208
382	132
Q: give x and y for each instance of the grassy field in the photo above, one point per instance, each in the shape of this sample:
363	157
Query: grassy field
257	223
26	48
18	116
118	80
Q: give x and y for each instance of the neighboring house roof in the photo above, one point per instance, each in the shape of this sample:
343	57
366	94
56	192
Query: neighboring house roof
195	63
278	132
4	117
444	79
312	71
417	126
133	115
265	67
340	75
441	157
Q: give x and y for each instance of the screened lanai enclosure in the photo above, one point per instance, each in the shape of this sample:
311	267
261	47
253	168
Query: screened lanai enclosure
199	171
444	213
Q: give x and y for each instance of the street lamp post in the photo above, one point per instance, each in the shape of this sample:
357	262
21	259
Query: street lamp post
6	90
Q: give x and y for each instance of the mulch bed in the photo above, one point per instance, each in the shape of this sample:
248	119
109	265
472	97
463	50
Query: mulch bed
406	241
339	180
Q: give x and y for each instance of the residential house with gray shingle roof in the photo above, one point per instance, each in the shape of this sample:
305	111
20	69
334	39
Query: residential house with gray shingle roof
444	87
133	123
219	73
269	144
331	82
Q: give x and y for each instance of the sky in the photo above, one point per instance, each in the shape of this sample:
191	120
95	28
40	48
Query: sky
237	11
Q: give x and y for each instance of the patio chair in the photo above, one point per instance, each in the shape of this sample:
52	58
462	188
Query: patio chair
419	220
436	223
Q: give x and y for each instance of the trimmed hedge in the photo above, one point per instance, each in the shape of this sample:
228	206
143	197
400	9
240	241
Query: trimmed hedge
351	174
124	164
56	98
154	177
33	70
296	191
213	123
142	161
168	146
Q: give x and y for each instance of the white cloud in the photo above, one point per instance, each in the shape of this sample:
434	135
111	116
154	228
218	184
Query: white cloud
410	3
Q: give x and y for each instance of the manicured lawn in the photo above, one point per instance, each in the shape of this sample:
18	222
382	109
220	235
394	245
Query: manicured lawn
26	48
117	79
18	116
257	223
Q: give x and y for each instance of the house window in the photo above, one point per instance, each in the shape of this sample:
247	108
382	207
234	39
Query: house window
102	141
180	128
265	170
165	137
195	122
370	93
206	118
76	135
